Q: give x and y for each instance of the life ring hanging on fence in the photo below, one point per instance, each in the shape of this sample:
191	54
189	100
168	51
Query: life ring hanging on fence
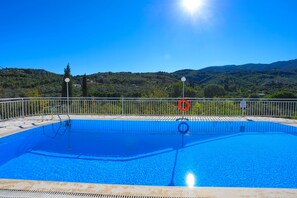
185	107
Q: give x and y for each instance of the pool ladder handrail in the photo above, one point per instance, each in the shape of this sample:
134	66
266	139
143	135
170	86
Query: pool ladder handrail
43	112
65	112
52	108
57	132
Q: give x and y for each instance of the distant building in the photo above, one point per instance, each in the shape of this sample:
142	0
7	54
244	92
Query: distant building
260	95
90	81
77	85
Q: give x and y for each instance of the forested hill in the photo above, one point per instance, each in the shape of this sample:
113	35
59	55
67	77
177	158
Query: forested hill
249	80
281	65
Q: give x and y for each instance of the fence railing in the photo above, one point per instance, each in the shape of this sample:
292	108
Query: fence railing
25	107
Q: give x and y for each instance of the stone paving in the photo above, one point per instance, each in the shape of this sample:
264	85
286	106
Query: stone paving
16	125
21	188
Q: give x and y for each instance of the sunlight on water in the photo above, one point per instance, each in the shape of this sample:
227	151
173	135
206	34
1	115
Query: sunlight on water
190	179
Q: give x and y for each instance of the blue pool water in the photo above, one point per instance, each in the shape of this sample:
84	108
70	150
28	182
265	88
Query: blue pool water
221	154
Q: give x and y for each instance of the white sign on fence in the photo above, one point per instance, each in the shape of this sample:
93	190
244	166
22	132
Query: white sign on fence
243	104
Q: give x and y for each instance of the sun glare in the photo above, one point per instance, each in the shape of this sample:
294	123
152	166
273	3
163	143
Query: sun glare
192	6
190	180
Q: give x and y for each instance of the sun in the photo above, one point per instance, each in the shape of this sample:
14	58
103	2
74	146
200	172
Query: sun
192	6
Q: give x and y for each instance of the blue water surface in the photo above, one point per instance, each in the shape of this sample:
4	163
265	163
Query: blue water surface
162	153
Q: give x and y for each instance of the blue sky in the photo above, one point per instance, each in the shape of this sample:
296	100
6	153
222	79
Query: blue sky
144	35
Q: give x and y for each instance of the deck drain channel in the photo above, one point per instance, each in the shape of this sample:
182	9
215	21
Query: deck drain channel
29	194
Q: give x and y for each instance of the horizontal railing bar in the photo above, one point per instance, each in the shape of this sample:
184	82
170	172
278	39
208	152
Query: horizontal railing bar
128	98
34	106
9	99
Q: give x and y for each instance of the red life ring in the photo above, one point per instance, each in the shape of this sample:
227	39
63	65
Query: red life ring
183	108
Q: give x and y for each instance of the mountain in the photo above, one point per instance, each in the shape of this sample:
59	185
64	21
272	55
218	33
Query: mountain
281	65
238	81
19	82
249	78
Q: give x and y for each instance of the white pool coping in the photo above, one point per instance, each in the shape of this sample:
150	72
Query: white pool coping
142	191
17	125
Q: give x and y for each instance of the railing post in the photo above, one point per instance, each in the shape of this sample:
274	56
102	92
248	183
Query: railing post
22	106
122	105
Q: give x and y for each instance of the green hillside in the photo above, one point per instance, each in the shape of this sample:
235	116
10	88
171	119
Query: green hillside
248	80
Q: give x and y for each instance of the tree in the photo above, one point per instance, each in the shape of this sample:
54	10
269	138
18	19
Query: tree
32	93
67	74
282	94
211	91
175	90
156	93
84	86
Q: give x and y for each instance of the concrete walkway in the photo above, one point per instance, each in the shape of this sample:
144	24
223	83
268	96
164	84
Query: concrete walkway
23	188
9	127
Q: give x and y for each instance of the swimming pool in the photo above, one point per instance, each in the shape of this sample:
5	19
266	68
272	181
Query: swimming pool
159	153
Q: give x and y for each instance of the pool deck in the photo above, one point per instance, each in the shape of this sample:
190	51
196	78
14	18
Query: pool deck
21	187
12	126
25	188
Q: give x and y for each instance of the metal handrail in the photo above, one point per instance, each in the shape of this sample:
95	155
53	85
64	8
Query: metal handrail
43	112
65	111
132	98
52	108
39	106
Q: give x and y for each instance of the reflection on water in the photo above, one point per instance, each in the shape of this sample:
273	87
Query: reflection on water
178	153
129	139
171	127
183	128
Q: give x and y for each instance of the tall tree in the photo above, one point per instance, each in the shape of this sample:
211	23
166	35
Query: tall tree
67	74
84	86
175	90
212	91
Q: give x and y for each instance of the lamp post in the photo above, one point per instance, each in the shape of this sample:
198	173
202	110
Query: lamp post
183	79
67	80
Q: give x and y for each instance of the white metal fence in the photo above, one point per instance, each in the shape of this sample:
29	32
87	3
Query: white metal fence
24	107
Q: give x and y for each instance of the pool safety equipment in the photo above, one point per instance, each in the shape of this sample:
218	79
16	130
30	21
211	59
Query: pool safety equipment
183	128
183	105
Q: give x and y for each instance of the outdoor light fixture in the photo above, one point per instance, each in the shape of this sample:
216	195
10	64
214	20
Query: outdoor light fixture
67	80
183	79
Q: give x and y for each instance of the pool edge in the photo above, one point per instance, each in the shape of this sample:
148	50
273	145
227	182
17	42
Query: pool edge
141	191
11	127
